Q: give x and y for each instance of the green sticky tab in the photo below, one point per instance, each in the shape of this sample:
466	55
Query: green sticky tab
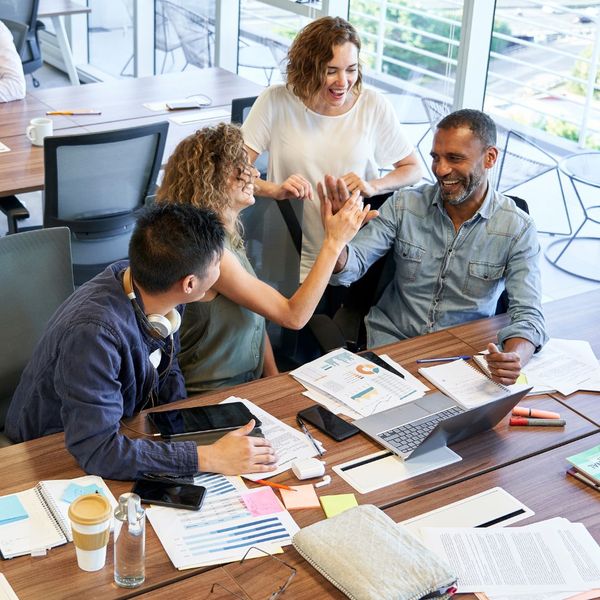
338	503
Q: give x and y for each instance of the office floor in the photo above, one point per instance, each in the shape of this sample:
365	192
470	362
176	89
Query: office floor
556	284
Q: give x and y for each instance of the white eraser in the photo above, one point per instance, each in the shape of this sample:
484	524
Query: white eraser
308	467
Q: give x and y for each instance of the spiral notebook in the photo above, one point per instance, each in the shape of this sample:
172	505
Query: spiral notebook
465	384
36	520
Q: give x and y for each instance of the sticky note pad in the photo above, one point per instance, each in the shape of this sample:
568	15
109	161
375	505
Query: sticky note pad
262	502
303	497
334	505
11	510
74	491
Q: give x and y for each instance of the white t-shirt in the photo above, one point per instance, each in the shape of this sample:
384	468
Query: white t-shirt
12	80
367	137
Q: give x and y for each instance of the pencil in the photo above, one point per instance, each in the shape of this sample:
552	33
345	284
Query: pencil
279	486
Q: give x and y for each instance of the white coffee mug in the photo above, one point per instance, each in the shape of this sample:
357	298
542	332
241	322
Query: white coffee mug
38	129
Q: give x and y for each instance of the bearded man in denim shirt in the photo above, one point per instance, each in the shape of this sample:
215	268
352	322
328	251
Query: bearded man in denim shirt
456	245
111	350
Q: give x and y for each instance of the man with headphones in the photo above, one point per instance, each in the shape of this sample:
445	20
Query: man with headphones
110	351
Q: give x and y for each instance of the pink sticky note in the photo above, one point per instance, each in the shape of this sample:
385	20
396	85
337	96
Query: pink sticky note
303	497
262	502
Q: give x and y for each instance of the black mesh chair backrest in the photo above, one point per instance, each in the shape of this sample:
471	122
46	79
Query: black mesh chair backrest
36	276
94	183
240	107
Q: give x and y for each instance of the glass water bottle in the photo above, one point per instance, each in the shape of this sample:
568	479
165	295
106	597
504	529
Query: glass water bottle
130	541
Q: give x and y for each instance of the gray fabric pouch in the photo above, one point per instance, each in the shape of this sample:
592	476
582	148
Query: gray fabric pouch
369	557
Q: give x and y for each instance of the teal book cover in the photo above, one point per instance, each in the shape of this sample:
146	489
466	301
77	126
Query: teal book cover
587	462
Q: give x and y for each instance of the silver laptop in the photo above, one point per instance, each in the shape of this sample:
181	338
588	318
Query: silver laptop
432	422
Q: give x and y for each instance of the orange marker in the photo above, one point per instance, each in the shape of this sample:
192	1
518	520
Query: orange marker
521	411
279	486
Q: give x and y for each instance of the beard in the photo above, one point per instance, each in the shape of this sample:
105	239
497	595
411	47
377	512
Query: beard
466	193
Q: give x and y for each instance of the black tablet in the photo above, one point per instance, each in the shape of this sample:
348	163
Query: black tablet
213	418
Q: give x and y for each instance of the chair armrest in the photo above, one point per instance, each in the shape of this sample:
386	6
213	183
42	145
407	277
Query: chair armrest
14	210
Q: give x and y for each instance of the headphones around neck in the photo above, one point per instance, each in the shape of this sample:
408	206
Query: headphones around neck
158	326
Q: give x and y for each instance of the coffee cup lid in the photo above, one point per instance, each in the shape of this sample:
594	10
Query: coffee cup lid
90	509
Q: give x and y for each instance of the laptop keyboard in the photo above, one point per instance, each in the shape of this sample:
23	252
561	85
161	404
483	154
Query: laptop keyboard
407	437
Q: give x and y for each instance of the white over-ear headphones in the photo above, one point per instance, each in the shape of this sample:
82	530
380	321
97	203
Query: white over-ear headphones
158	326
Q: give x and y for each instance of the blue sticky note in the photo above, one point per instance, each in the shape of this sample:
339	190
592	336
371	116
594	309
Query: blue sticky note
11	510
74	491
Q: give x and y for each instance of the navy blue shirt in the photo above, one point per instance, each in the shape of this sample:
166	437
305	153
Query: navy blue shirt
91	369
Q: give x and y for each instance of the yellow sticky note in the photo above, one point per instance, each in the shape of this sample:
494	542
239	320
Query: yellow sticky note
338	503
303	497
522	378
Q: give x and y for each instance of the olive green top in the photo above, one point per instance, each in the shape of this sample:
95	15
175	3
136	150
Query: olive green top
222	343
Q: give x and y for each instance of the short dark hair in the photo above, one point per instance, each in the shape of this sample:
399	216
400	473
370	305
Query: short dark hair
478	122
171	241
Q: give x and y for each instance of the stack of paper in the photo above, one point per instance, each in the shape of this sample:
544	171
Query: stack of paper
357	383
226	526
289	444
563	366
549	557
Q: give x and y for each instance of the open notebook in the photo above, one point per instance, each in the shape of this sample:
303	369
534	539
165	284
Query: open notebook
36	520
464	383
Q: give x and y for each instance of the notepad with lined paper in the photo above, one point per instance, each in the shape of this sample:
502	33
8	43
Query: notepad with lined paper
463	383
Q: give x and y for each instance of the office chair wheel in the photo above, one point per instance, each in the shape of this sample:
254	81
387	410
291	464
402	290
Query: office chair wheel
36	82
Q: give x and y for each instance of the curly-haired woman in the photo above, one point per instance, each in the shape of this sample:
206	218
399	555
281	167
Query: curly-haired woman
223	338
322	121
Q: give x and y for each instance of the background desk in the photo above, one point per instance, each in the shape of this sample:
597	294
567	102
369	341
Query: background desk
121	103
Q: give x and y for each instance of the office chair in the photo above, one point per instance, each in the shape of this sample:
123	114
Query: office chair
94	183
165	39
26	11
18	31
346	328
36	275
194	33
522	161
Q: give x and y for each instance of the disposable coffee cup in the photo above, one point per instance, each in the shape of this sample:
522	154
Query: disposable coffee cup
90	517
38	129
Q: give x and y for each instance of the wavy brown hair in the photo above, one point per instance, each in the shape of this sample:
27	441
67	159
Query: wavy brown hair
199	169
310	52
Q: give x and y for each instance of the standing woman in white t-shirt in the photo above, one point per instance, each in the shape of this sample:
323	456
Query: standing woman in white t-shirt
323	122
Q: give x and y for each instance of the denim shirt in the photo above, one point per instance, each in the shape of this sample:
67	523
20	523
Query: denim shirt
91	369
445	277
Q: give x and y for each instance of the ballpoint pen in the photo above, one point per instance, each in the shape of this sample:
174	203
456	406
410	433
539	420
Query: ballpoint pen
307	434
443	359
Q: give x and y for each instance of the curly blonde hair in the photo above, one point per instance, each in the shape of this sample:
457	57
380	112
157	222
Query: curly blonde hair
310	52
199	170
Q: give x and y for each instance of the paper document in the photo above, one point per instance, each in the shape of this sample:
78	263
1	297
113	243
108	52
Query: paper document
289	443
545	557
561	365
222	530
360	384
4	148
380	469
6	591
205	114
493	508
464	383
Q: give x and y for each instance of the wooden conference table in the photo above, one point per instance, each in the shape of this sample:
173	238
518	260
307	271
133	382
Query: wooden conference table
510	457
121	105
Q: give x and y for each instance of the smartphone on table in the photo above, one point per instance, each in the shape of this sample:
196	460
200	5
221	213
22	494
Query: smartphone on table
170	493
327	422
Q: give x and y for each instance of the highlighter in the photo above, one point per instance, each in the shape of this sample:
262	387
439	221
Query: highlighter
521	411
522	421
